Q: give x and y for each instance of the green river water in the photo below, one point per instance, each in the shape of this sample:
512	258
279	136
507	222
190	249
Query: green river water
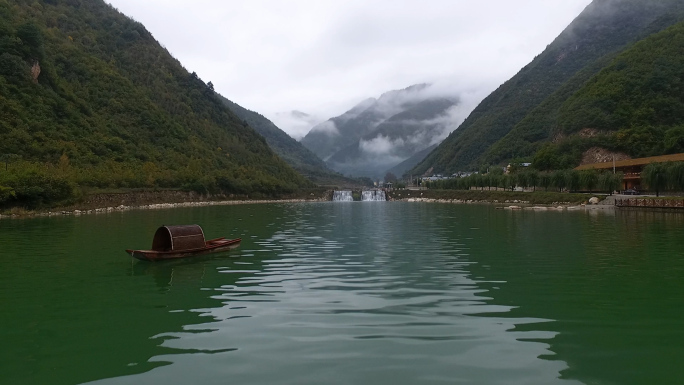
347	293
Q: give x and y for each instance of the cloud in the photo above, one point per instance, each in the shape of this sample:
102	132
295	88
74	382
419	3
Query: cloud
298	122
328	127
380	145
428	132
324	56
456	115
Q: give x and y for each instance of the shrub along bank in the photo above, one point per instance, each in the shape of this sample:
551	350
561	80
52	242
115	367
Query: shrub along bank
33	185
494	196
571	180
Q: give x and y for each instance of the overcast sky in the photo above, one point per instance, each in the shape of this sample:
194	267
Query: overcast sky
322	57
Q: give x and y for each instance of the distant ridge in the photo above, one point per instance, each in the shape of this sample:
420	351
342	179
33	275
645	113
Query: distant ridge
377	134
403	167
294	153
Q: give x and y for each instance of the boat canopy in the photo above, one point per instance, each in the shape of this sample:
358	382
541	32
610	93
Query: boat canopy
178	238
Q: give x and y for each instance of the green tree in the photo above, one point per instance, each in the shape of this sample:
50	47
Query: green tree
655	176
546	158
559	179
545	180
496	170
573	180
615	181
533	179
589	179
521	179
674	140
480	180
675	176
495	179
508	182
13	68
32	41
604	182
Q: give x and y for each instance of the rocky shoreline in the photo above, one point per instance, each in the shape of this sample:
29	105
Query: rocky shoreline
106	203
516	204
155	206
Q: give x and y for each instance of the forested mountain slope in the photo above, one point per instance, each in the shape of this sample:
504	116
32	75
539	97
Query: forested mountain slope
291	151
89	97
527	105
634	106
411	162
326	138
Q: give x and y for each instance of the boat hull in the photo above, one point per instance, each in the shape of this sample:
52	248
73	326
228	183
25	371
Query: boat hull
215	246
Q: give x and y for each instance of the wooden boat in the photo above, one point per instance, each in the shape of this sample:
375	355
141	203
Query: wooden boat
172	242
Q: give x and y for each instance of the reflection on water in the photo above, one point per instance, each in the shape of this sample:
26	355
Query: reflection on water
364	292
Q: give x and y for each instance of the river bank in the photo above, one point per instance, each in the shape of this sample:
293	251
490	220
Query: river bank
497	197
113	201
541	200
515	204
107	202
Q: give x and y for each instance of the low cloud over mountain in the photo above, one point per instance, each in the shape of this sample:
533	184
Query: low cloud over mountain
298	122
378	134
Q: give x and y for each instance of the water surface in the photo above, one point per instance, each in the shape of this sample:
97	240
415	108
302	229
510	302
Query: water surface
347	293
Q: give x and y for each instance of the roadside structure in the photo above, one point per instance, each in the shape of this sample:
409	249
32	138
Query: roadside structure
631	168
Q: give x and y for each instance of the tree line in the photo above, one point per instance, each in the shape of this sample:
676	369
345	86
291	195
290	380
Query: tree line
664	177
560	180
656	177
35	185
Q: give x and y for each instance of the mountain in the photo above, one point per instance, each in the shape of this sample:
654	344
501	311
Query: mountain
634	106
291	151
394	140
330	136
88	97
377	134
527	111
298	123
411	162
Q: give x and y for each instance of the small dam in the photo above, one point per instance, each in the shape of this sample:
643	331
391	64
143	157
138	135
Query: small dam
342	196
373	195
364	196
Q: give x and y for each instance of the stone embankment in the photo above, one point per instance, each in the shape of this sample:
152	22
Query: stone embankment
516	204
155	206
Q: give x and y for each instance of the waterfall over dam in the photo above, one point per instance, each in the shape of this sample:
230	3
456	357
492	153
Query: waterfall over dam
342	196
373	195
366	196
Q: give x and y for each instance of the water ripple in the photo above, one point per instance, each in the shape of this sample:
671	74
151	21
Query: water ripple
344	294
